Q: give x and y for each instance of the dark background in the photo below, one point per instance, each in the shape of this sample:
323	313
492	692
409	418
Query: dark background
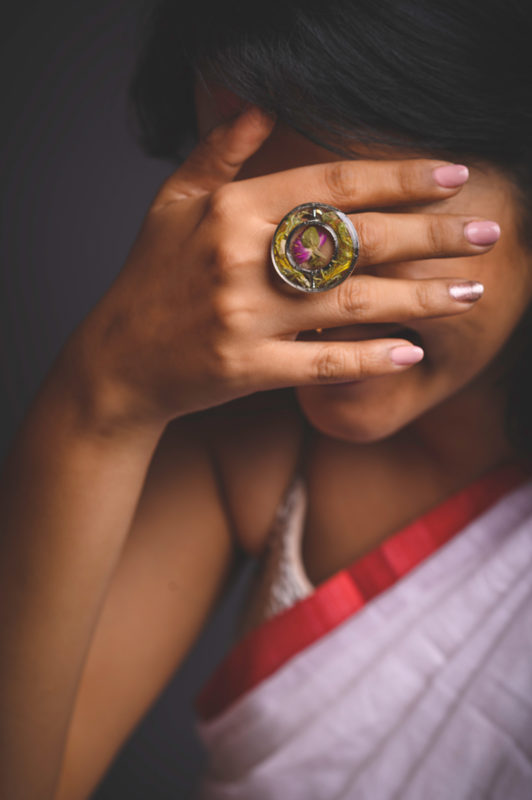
74	189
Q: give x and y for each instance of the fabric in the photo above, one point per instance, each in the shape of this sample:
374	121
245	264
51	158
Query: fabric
407	675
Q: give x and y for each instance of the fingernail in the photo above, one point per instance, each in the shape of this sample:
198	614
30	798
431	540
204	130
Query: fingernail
405	354
467	291
451	175
483	233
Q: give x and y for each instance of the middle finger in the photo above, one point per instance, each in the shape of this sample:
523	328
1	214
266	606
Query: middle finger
399	237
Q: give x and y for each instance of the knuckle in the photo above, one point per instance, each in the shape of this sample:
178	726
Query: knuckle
408	178
372	233
230	313
225	363
360	366
215	137
221	205
341	181
436	235
354	298
223	257
424	297
369	359
223	308
227	256
215	146
330	363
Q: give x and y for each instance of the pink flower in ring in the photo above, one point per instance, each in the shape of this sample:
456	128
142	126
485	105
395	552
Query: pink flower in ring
302	253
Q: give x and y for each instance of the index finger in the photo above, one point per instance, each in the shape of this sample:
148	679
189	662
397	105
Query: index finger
355	185
218	157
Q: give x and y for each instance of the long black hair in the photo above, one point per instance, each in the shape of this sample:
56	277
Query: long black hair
451	79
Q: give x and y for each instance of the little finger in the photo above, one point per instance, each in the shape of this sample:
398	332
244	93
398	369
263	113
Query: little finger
308	363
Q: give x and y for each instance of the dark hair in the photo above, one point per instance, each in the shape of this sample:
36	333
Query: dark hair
446	78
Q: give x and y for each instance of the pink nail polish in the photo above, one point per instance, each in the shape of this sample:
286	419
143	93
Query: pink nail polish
466	292
451	175
405	354
483	232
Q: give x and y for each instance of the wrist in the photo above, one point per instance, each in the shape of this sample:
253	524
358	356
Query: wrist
99	406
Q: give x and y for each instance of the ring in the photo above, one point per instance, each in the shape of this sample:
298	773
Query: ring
315	247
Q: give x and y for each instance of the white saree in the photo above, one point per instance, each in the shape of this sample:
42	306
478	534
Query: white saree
423	692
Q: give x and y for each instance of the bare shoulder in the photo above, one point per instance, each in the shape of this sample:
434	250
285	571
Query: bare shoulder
255	443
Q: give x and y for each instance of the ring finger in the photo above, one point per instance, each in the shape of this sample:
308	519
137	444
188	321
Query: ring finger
388	238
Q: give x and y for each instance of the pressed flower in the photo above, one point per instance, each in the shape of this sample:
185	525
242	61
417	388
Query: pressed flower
307	248
314	247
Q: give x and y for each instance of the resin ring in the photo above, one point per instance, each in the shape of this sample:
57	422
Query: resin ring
314	247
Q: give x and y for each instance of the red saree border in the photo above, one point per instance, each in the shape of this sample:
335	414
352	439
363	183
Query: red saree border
264	649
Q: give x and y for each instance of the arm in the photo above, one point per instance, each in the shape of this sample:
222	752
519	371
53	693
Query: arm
107	576
174	565
67	497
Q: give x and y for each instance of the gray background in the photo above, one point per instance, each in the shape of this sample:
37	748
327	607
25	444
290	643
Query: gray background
74	189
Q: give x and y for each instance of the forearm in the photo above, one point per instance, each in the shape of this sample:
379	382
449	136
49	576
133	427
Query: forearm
68	493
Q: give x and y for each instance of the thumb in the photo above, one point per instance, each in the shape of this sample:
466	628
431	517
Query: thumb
218	158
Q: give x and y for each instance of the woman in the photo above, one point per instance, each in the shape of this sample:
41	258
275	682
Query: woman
369	442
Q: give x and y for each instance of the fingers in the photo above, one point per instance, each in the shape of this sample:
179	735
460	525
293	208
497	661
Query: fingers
362	298
365	299
386	238
306	363
401	237
218	158
353	185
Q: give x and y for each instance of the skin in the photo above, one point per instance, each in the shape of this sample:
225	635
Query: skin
419	434
460	360
120	512
460	352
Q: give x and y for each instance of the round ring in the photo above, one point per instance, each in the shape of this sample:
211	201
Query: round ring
315	247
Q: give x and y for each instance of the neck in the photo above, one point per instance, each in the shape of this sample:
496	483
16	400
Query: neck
399	478
464	436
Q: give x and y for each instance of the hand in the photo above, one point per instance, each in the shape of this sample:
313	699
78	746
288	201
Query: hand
195	317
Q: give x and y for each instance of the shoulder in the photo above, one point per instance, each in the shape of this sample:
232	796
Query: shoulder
255	445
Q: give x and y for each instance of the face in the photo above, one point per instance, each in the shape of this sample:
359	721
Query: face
465	354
